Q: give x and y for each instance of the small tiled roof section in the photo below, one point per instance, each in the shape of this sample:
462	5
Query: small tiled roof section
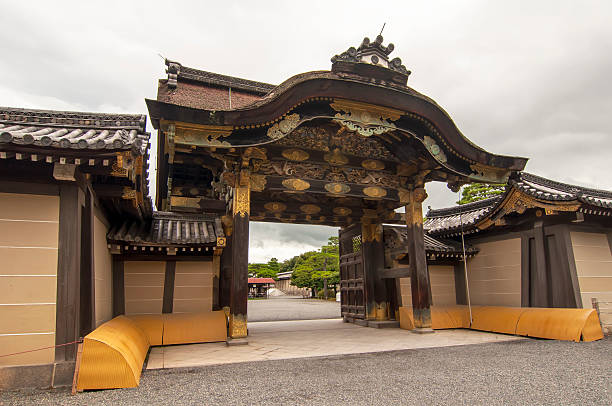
170	229
432	245
73	130
261	280
177	71
453	218
546	189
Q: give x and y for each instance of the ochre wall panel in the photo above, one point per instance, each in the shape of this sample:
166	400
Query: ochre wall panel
494	274
594	268
192	287
144	286
442	279
18	343
27	319
29	226
103	273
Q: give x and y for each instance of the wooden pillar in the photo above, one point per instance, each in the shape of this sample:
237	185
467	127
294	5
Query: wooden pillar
377	305
68	272
216	268
168	303
225	271
419	275
87	295
240	258
118	287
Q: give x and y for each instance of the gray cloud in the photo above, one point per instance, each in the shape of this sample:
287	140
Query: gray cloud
518	78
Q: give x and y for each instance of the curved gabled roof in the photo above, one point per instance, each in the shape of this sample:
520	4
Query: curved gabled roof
523	191
364	92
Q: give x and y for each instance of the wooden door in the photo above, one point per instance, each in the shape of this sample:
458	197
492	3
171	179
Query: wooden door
351	273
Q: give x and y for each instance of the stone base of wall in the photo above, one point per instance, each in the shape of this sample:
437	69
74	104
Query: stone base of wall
37	376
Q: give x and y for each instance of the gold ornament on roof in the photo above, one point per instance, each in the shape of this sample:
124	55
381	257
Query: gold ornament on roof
295	154
336	157
284	127
365	119
275	207
374	191
296	184
342	211
373	165
434	149
337	188
310	208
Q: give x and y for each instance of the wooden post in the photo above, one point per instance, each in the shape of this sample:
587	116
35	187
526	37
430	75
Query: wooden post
240	258
377	305
419	275
225	271
68	272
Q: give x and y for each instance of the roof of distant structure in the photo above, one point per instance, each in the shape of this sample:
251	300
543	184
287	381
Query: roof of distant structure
169	229
73	130
524	190
261	280
208	90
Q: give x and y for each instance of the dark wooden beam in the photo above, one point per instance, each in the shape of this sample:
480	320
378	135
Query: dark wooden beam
392	273
168	302
118	287
460	285
68	272
540	279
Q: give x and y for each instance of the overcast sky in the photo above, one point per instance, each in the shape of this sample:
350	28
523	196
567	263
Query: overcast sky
525	78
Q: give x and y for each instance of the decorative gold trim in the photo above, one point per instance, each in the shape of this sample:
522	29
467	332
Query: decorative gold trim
374	191
434	149
242	201
198	134
310	208
337	188
295	154
371	232
342	211
283	127
237	326
373	165
365	119
275	207
296	184
258	182
221	241
335	157
189	202
128	193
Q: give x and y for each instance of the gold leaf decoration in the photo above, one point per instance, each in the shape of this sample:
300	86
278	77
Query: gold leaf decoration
284	127
342	211
375	191
242	201
257	182
296	184
373	165
337	188
335	157
310	208
276	207
295	154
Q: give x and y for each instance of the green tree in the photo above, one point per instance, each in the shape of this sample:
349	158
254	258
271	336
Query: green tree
269	270
474	192
313	267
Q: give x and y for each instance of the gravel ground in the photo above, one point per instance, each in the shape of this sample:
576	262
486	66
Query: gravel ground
292	308
520	372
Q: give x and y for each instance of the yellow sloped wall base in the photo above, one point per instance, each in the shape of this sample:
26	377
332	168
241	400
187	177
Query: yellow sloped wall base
556	324
113	355
185	328
152	325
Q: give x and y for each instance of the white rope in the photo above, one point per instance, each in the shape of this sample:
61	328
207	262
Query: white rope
467	285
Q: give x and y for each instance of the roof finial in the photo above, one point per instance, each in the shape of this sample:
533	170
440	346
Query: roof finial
383	27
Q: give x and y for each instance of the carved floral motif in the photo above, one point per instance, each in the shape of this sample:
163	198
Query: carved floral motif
296	184
284	127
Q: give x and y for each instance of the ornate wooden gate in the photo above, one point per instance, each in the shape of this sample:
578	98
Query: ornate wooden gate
351	273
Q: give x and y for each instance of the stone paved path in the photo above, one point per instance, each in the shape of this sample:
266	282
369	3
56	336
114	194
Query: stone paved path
311	338
292	308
